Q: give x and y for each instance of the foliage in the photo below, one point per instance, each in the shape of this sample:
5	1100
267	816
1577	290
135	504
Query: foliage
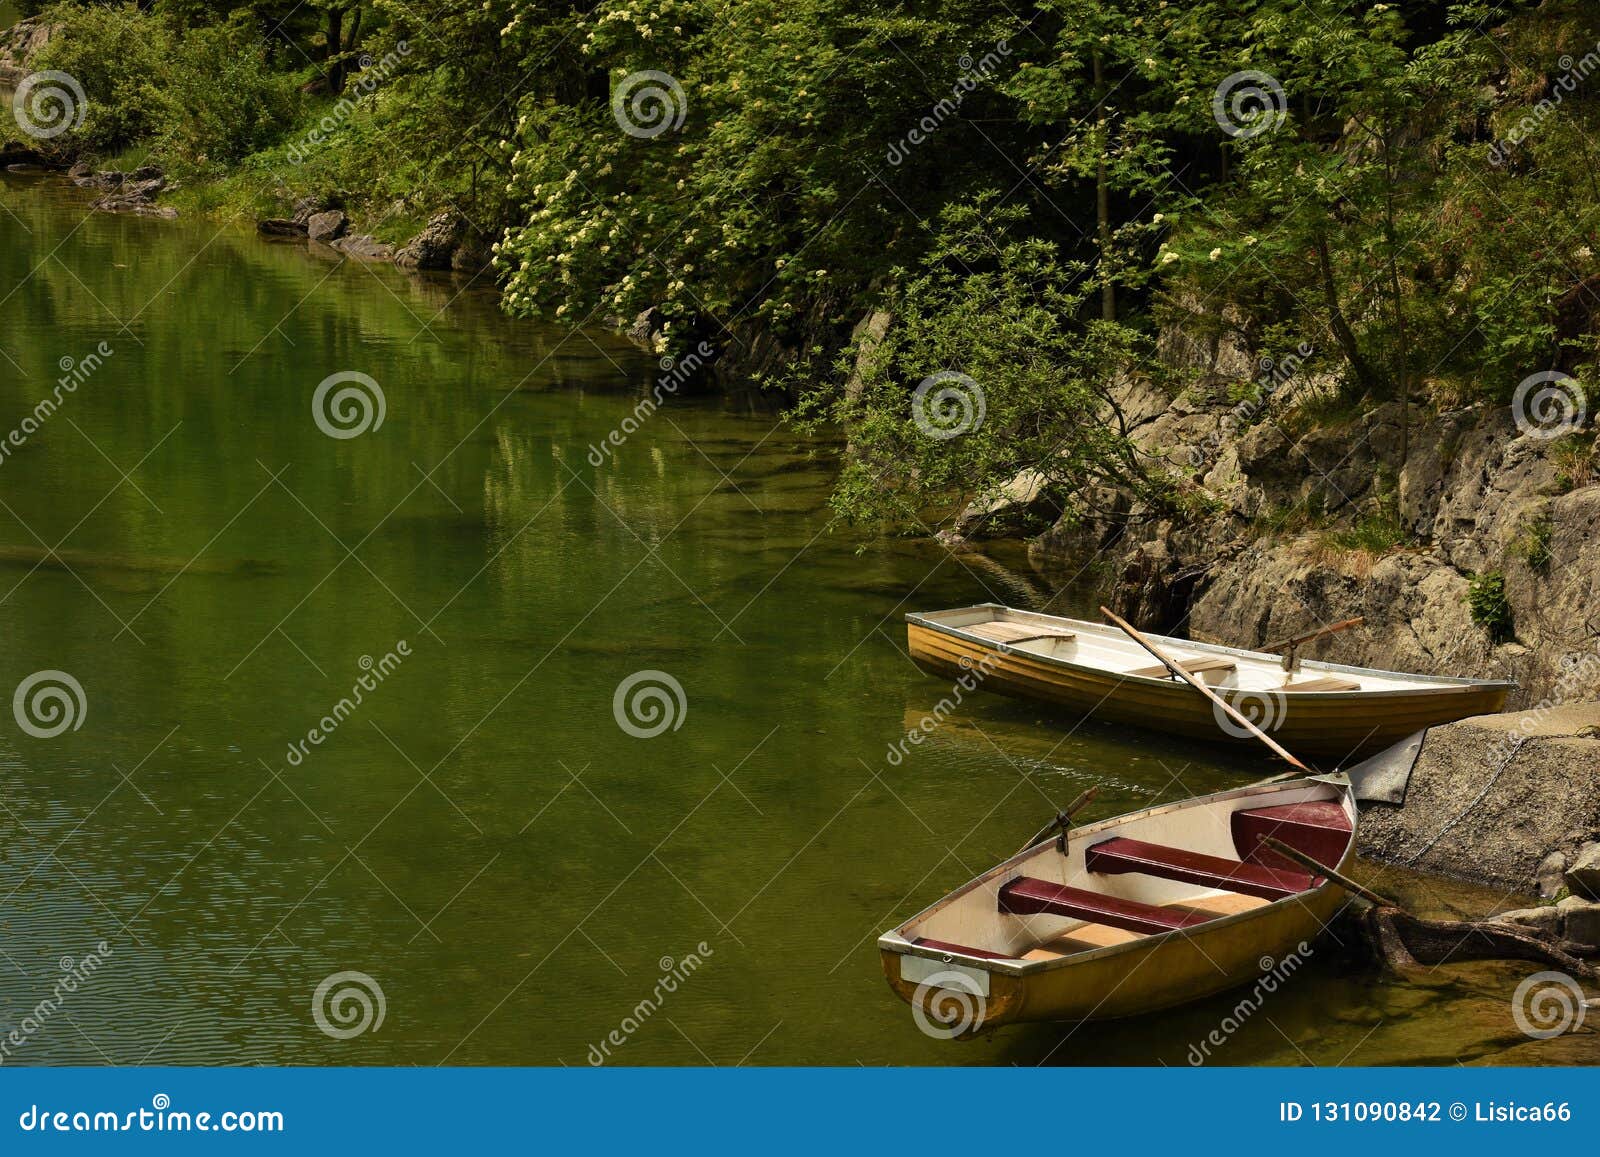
1486	599
1535	545
1008	383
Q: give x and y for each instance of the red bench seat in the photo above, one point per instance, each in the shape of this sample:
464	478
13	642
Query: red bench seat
1026	896
1120	855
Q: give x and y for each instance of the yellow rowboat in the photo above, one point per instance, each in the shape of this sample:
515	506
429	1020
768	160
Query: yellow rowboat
1130	915
1317	709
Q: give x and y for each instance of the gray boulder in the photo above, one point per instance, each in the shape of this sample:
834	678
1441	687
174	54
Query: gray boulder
328	226
1544	920
1580	920
280	227
435	246
364	247
1583	876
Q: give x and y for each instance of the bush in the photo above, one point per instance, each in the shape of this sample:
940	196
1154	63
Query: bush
1486	598
207	94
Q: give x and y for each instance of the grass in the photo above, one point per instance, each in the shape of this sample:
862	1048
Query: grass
1486	599
1535	544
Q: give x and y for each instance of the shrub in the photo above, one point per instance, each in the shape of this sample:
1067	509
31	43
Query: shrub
1486	598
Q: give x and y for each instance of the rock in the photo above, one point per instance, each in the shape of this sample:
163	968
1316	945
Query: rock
1549	876
1580	920
1545	920
645	327
435	246
280	227
146	173
1024	496
305	209
132	192
328	226
1583	876
364	247
1484	804
13	154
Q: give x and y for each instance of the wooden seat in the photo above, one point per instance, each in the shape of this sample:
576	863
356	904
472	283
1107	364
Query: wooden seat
960	949
1120	855
1193	666
1319	828
1026	896
1002	632
1325	683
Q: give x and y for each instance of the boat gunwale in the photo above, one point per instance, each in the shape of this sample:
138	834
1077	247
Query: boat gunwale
1438	684
896	942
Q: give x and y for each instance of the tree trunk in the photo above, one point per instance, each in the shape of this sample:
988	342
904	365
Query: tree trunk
1342	333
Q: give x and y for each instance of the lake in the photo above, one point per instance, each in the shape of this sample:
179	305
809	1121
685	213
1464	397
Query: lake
376	654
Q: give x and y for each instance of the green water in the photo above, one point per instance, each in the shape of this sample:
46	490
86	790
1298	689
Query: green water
479	835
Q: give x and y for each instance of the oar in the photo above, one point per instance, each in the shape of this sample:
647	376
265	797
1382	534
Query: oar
1317	869
1227	707
1062	820
1289	646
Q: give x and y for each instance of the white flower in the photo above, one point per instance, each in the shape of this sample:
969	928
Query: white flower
1159	217
1168	257
1216	253
1250	240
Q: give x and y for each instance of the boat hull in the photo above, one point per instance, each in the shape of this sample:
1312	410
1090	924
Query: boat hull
1335	725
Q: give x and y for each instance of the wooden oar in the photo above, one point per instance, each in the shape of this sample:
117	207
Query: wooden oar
1317	869
1063	820
1227	707
1289	646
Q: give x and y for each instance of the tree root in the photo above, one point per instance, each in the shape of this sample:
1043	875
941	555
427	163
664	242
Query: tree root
1404	942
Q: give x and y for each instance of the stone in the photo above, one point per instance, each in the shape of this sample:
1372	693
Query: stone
280	227
1545	920
644	327
435	246
305	209
1491	795
1550	875
328	226
1580	920
364	247
1583	876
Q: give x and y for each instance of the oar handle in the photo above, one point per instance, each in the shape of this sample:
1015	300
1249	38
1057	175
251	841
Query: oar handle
1062	820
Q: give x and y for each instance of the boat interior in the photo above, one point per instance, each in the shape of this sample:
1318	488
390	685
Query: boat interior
1166	869
1106	648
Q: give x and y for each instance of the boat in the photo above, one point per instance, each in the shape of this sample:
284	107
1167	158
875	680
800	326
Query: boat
1133	914
1314	709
